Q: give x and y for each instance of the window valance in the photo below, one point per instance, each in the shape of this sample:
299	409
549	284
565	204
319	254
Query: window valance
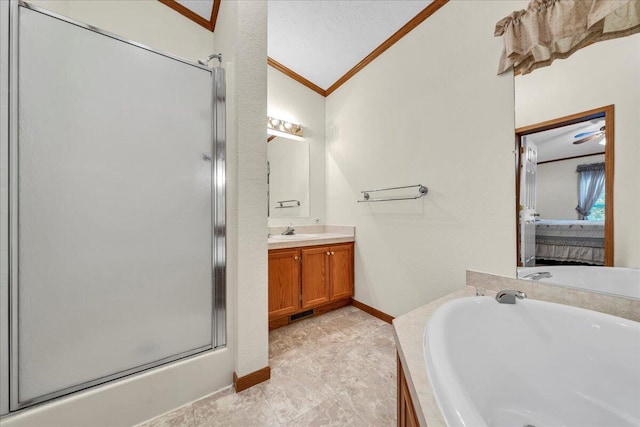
590	167
550	29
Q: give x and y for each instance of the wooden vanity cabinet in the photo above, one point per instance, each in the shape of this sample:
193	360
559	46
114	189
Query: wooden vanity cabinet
309	277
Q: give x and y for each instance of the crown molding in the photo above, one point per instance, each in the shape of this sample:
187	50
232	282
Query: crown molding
295	76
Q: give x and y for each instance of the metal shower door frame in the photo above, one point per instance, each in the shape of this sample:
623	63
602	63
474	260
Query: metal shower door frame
219	227
4	203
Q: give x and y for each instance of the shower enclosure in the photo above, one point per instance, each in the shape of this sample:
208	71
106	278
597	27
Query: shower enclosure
116	227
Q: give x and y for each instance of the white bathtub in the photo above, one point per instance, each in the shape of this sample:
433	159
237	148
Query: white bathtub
532	363
610	280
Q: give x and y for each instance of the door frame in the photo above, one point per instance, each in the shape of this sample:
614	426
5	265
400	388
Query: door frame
609	168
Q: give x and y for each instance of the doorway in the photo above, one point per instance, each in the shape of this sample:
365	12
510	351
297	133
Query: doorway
578	132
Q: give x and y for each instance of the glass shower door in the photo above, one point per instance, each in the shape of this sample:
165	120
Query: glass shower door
112	267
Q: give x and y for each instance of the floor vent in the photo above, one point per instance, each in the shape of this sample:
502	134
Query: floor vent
299	316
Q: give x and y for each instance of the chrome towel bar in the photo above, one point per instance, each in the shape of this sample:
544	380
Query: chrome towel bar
283	206
422	191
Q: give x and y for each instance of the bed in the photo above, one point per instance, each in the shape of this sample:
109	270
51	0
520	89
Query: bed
570	241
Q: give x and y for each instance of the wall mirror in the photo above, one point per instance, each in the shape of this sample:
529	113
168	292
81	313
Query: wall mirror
569	118
561	190
288	177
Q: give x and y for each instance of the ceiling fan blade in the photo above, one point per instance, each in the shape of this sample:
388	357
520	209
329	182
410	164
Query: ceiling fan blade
588	138
580	135
583	134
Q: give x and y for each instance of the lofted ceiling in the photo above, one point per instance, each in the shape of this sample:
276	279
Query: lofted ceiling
557	143
321	40
323	43
202	12
200	7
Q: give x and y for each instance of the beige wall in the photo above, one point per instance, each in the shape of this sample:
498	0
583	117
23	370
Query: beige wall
148	22
242	39
289	100
430	110
557	187
598	75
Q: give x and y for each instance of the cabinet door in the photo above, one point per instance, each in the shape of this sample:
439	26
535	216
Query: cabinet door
315	276
341	271
406	413
284	283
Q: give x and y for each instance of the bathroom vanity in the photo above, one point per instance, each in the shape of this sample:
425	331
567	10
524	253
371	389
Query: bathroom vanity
309	274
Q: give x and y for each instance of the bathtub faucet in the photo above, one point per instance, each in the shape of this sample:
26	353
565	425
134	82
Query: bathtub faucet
539	275
509	296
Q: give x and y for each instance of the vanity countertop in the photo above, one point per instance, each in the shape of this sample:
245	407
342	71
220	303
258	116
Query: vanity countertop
317	239
311	235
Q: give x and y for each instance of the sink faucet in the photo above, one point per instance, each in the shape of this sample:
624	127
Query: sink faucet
290	231
509	297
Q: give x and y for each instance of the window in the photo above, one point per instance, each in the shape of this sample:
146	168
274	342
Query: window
597	211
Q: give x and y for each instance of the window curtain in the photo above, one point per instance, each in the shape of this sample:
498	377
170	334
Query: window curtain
550	29
590	186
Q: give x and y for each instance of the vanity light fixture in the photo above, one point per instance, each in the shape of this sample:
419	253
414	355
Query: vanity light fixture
284	129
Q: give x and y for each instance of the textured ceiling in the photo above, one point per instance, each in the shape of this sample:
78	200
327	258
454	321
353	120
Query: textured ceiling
323	39
200	7
558	143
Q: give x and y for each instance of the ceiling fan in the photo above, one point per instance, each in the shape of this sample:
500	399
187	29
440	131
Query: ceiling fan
588	136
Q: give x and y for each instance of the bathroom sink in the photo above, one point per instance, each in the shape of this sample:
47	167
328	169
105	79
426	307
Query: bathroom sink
294	237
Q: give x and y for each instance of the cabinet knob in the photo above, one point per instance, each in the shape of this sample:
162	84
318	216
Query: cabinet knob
333	253
328	253
295	258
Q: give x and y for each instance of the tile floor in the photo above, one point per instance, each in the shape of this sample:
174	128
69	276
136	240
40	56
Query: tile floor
336	369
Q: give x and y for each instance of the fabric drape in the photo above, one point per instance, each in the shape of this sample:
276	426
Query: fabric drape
552	29
590	186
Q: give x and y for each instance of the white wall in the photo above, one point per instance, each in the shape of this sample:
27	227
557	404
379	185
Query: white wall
243	40
598	75
289	100
430	110
557	187
241	34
